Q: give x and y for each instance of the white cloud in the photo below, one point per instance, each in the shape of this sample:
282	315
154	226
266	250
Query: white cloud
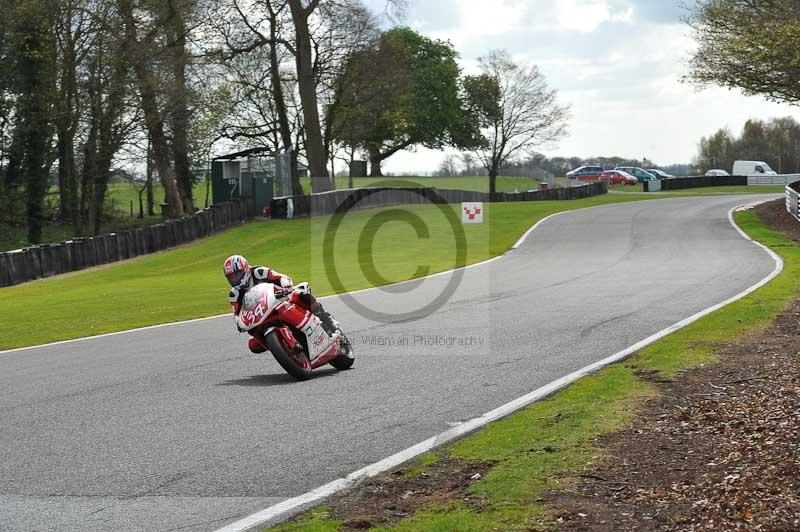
582	15
618	62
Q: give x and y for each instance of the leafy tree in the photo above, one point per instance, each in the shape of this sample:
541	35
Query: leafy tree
776	142
717	151
29	27
403	92
748	44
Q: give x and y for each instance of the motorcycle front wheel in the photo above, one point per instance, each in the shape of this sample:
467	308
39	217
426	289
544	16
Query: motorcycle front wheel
295	363
346	355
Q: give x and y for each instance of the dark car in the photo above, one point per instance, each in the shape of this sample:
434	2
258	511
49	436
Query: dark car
586	173
661	174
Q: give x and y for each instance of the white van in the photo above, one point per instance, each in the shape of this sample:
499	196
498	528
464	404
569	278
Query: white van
752	168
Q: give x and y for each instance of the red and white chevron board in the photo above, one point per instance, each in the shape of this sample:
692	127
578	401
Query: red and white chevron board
793	200
472	212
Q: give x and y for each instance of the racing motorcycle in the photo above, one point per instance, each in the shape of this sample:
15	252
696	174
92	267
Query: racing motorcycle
297	350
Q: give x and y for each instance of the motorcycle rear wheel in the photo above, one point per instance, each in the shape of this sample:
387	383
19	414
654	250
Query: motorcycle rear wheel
296	364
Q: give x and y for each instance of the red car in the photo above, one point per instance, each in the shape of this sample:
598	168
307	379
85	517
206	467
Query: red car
618	177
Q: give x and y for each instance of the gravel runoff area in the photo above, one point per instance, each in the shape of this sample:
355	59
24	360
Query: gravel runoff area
718	450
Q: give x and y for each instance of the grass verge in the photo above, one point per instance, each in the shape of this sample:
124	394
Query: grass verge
187	282
549	444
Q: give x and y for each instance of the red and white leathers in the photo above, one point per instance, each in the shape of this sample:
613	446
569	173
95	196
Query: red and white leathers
258	275
295	314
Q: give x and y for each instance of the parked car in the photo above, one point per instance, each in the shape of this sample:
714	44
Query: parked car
752	168
717	173
618	177
638	173
661	174
586	173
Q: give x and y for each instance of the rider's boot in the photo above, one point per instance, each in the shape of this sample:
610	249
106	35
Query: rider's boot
255	346
328	323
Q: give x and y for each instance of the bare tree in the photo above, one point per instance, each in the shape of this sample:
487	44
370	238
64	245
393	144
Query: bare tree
139	49
525	115
75	30
307	86
343	29
448	167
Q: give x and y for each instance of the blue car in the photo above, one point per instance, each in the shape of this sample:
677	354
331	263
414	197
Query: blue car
586	173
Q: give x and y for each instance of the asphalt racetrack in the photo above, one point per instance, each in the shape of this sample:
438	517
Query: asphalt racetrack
181	428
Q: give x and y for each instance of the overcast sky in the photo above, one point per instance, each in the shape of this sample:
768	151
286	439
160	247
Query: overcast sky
618	63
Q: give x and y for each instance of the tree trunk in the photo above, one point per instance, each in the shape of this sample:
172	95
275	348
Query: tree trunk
66	124
67	184
493	171
152	115
172	198
375	161
36	173
320	181
89	207
280	102
180	112
333	170
34	114
149	179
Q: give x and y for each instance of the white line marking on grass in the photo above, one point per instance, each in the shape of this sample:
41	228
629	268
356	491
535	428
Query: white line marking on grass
278	512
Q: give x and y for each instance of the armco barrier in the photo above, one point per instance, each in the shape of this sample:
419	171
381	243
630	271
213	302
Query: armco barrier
52	259
680	183
327	203
793	199
782	179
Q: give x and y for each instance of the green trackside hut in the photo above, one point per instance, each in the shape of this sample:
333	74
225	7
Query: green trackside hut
248	174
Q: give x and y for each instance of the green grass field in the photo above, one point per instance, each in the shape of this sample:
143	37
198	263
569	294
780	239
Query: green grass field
546	445
187	282
119	196
123	194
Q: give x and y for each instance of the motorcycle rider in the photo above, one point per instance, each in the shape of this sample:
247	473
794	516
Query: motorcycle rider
242	277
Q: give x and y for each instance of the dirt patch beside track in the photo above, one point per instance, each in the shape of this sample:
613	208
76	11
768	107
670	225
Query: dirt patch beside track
393	497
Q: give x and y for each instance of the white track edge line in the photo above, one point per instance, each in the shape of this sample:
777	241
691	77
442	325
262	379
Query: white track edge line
283	510
195	320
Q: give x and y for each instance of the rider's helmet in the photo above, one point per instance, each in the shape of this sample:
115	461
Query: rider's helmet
237	270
